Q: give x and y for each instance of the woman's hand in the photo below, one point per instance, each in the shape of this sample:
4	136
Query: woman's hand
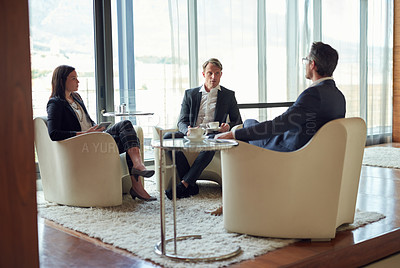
95	128
92	129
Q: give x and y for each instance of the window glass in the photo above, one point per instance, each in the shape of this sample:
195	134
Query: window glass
373	102
227	30
161	56
380	62
153	34
276	57
343	35
276	51
61	32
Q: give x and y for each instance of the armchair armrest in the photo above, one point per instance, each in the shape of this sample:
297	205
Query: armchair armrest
237	127
97	139
157	130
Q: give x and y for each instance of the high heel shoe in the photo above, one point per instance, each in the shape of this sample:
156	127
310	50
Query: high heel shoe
144	173
134	194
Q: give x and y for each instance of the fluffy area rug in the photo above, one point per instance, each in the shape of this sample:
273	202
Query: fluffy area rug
382	157
135	226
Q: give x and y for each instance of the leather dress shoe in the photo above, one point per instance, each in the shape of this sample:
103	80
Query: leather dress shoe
193	189
181	192
144	173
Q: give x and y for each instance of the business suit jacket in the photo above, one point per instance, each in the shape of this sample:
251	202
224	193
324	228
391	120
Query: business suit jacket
290	131
62	121
226	105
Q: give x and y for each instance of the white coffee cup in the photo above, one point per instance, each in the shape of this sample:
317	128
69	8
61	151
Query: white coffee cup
197	132
213	125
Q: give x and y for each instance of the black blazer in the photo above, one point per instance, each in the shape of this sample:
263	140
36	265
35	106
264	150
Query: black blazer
62	121
226	105
290	131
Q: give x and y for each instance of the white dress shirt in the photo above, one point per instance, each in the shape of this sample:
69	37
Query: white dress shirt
207	105
83	120
320	80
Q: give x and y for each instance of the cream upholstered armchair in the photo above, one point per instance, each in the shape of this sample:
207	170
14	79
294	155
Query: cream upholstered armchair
85	170
307	193
212	172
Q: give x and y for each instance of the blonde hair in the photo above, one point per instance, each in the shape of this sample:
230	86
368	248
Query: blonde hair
214	61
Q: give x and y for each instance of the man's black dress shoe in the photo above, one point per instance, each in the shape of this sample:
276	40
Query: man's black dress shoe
144	173
181	192
193	189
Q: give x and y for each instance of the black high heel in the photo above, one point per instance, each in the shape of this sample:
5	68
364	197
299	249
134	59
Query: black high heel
144	173
134	194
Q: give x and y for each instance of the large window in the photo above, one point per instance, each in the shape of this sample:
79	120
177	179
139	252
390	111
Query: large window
364	37
344	36
379	73
159	46
61	32
228	31
159	52
150	52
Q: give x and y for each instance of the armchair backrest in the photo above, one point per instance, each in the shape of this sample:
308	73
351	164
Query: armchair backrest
356	134
46	153
348	135
315	186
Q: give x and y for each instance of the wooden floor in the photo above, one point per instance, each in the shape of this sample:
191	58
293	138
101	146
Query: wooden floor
379	191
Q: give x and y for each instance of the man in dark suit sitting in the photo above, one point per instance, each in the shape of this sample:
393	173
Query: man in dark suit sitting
320	103
201	105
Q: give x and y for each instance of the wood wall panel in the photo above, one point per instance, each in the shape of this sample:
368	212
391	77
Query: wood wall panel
396	72
18	212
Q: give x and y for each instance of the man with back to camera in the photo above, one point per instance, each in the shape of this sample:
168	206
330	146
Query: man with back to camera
320	103
201	105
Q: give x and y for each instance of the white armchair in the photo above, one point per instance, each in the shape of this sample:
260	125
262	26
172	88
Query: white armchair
212	172
307	193
86	170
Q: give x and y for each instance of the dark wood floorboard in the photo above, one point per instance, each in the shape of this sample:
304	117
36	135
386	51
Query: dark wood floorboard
60	247
379	191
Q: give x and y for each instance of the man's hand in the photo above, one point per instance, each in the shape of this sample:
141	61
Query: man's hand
225	135
188	132
224	127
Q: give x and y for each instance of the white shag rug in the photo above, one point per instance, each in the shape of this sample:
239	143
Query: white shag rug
382	157
135	226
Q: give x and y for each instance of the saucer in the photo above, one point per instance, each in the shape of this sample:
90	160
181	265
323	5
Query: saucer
213	129
195	139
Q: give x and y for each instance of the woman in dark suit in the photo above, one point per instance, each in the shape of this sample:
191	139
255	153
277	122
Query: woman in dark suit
68	117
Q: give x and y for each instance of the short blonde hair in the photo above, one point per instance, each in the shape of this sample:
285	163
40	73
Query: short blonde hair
214	61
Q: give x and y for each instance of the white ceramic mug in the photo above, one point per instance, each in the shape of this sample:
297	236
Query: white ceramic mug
213	125
197	132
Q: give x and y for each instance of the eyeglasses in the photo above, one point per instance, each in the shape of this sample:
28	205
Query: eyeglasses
305	60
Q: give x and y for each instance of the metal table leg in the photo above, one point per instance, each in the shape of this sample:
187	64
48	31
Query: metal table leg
160	247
